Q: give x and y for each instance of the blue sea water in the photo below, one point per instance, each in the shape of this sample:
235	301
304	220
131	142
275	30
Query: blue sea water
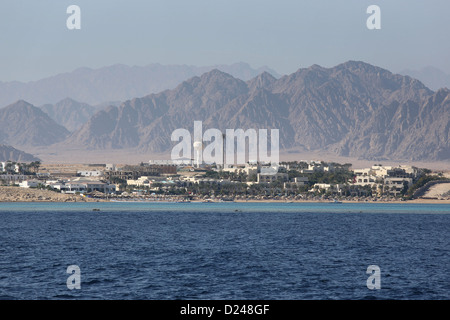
230	251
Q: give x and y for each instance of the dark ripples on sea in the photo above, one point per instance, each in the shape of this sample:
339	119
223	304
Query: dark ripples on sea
223	254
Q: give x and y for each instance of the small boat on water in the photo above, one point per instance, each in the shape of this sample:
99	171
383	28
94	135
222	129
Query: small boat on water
335	201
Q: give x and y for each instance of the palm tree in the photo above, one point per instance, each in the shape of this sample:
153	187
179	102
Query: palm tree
35	166
9	168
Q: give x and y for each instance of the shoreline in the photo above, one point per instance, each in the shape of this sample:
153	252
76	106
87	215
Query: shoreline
16	194
22	195
419	201
92	200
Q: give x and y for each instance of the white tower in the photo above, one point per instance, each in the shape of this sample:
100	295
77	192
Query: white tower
198	147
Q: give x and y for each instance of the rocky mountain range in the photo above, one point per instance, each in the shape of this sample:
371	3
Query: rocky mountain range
69	113
24	125
113	83
354	109
8	153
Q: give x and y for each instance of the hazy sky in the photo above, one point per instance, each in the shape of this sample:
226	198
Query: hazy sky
283	34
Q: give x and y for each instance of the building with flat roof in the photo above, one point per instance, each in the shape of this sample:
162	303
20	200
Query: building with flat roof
82	186
135	172
395	185
143	181
95	173
247	169
30	184
269	178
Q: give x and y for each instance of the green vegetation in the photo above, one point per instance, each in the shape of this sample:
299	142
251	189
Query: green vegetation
23	168
340	176
121	182
237	185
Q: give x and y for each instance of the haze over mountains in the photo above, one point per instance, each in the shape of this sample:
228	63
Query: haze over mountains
24	125
111	84
70	113
353	110
8	153
432	77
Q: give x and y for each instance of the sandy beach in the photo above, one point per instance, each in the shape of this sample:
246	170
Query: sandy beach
15	194
429	201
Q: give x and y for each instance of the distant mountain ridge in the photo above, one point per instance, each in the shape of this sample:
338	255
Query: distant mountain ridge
354	109
22	124
113	83
69	113
8	153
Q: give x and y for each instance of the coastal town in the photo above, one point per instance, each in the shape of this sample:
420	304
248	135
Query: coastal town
166	180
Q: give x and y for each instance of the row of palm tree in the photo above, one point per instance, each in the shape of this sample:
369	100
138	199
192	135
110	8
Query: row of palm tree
23	168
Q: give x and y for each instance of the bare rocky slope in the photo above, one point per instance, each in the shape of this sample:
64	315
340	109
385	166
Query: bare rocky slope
69	113
354	109
8	153
24	125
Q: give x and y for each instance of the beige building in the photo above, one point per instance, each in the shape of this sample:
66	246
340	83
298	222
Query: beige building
247	169
317	166
366	177
396	185
327	187
140	182
30	183
390	179
269	178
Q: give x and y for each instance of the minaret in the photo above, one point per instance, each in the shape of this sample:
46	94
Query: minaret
198	146
224	140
